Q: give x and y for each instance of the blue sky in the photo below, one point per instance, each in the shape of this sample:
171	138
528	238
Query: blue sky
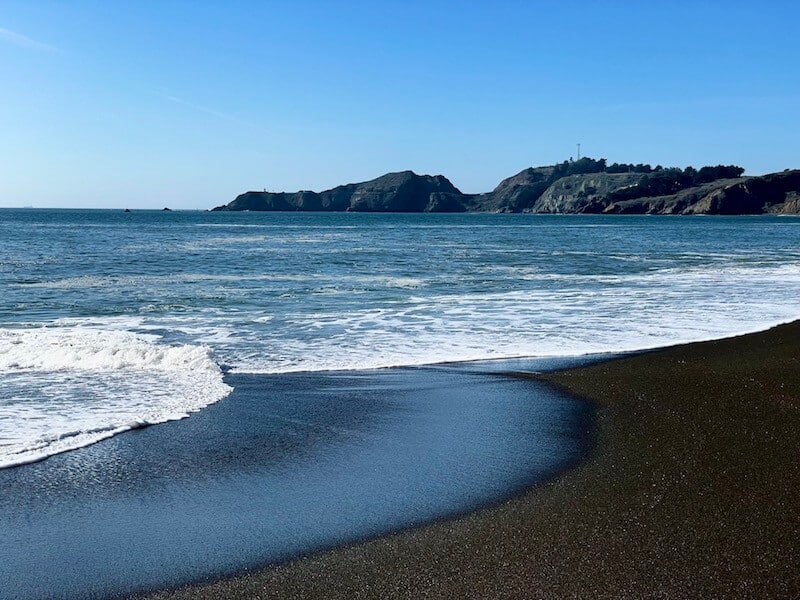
186	104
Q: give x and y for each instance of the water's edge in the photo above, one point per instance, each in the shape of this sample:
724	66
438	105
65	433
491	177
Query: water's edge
287	465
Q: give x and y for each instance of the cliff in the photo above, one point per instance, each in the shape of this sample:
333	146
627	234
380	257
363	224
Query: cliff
773	193
577	193
394	192
519	192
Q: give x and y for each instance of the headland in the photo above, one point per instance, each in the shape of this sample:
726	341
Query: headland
572	187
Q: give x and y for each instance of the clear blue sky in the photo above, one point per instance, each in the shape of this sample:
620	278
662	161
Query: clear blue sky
186	104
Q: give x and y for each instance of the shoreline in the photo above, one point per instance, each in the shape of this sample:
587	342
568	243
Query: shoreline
289	465
691	490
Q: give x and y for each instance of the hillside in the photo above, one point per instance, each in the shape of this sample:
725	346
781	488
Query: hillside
394	192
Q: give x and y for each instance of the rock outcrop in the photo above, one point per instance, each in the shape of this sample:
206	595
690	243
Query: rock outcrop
582	193
773	193
519	192
394	192
672	204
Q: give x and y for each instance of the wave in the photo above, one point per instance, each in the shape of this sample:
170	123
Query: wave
68	387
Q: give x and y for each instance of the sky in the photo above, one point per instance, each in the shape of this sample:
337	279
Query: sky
153	104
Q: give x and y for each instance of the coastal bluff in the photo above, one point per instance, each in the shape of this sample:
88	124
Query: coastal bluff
394	192
572	187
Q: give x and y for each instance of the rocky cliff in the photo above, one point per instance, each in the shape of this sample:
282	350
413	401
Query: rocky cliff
394	192
519	192
553	189
773	193
580	193
670	204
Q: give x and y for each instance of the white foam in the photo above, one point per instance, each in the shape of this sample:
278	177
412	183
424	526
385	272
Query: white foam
615	313
116	281
54	349
68	387
82	379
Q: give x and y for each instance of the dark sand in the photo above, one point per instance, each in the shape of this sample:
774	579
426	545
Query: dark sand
693	490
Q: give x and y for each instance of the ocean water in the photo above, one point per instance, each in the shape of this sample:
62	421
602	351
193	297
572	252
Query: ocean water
110	321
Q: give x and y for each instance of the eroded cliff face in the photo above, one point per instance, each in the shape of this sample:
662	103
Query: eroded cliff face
773	193
791	206
583	193
598	193
672	204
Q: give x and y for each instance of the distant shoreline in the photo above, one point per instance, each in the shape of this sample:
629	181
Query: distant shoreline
179	211
691	491
582	186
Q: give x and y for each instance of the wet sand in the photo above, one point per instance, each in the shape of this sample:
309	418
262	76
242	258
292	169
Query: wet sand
288	465
692	490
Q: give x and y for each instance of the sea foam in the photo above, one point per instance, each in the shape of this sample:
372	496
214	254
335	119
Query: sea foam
96	383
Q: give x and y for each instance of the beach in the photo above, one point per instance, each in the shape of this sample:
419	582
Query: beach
691	489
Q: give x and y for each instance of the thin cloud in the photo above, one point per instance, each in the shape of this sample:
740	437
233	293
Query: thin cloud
210	111
23	41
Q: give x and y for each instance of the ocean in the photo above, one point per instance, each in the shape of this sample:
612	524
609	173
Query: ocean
111	320
373	343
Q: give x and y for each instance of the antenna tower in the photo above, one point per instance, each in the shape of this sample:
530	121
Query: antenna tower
579	152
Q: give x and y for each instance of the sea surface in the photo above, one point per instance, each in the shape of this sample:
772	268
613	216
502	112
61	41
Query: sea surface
343	375
112	320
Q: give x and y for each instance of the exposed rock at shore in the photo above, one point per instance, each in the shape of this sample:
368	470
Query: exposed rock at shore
554	189
670	204
773	193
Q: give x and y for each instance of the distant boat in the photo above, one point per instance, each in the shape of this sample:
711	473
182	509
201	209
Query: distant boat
167	209
127	210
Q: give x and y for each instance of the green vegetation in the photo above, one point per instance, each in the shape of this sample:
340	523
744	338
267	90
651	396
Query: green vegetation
655	181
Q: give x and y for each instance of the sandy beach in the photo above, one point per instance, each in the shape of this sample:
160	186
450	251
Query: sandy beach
692	489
